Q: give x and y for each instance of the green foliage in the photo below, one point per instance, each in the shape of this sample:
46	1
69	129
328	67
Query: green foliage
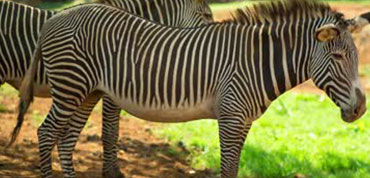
59	5
7	90
298	134
228	6
3	108
364	70
37	118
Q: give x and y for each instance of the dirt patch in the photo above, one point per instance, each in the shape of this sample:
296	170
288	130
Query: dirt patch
141	154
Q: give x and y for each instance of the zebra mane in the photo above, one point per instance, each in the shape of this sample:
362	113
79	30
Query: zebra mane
273	10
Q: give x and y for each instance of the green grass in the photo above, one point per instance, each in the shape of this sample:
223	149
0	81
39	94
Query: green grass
8	90
226	6
300	133
37	118
3	108
364	70
59	5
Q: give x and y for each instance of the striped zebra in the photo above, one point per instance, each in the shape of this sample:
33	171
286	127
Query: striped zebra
230	71
163	11
19	30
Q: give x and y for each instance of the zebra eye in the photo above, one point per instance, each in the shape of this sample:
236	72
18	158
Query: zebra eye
207	16
337	56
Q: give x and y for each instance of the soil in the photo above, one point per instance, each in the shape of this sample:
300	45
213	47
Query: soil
141	154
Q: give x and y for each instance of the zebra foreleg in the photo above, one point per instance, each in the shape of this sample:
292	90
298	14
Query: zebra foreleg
232	136
109	137
67	142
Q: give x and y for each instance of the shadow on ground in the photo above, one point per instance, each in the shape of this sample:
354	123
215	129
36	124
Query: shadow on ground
141	154
151	160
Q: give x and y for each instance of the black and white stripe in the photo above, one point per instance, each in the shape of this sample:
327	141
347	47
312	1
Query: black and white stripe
229	71
19	31
179	13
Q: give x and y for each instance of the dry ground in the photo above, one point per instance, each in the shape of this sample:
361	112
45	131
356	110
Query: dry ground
141	154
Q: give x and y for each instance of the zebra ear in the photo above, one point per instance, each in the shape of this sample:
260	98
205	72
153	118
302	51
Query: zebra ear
327	32
356	24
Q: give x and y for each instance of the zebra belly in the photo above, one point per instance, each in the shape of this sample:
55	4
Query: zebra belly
170	114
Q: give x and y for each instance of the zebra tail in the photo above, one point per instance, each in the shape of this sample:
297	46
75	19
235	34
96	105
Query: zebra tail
26	94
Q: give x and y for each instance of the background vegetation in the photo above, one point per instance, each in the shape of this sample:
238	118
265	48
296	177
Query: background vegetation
300	133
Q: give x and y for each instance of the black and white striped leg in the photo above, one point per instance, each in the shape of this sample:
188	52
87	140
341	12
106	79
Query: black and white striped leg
49	132
232	136
109	137
68	141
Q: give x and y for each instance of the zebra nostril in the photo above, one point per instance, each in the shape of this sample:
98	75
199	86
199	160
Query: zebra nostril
361	100
360	96
357	110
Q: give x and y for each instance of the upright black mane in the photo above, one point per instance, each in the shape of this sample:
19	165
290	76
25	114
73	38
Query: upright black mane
274	10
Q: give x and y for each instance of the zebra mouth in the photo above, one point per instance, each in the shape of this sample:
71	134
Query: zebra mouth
352	115
355	110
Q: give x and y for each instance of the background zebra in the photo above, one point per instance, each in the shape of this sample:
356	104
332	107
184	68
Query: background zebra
173	13
230	71
19	30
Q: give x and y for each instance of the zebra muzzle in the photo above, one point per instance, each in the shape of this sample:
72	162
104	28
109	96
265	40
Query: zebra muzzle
354	113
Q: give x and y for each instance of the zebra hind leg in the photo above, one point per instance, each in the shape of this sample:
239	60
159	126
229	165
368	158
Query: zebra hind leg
49	132
109	137
232	136
67	142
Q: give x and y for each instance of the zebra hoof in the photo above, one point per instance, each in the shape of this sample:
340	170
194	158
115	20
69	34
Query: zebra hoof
114	172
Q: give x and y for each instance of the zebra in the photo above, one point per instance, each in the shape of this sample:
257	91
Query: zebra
230	71
19	30
162	11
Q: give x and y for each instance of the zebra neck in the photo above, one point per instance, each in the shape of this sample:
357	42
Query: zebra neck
278	57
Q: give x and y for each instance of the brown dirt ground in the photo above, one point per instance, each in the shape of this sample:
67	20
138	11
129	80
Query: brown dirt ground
141	154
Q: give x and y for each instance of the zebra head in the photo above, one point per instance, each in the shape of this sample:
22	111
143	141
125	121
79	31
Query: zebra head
334	66
204	10
203	13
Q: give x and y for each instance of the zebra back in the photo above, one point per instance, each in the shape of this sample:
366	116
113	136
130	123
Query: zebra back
180	13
